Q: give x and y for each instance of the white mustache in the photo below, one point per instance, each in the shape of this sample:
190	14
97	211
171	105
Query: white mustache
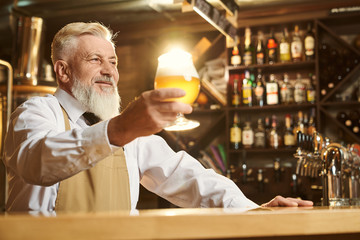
105	79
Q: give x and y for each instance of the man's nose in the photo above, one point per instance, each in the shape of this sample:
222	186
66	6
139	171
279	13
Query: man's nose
108	68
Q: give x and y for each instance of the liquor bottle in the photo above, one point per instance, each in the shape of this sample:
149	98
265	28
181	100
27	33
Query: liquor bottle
275	137
300	90
244	172
235	59
259	90
272	91
310	90
289	137
271	48
235	133
248	49
309	43
286	91
247	135
235	98
284	47
259	135
247	90
296	46
267	131
311	128
260	180
260	50
299	126
277	169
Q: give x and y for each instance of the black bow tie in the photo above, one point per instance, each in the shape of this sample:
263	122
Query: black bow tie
91	118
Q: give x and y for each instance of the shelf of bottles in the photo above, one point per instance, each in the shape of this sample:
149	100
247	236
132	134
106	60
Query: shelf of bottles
271	89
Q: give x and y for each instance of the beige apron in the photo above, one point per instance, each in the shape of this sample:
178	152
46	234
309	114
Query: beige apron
104	187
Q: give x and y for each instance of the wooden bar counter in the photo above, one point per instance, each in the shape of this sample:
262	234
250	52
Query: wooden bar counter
275	223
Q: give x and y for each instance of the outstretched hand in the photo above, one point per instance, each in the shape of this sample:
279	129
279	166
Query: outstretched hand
148	114
280	201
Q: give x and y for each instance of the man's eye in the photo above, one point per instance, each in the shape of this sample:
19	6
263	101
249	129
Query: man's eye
114	63
95	59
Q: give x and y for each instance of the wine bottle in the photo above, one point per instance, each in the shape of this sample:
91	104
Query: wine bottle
260	50
312	128
310	90
289	137
247	90
235	133
235	59
235	99
272	91
259	90
300	90
260	180
309	43
271	48
275	138
248	49
286	91
296	46
247	135
259	135
277	169
267	131
284	47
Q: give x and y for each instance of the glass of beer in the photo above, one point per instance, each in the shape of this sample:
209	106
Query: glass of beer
176	70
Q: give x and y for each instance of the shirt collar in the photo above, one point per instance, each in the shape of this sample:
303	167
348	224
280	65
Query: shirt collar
72	106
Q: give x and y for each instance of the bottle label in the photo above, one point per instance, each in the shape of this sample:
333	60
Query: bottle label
259	91
311	95
309	43
248	137
300	93
235	135
259	140
284	48
272	54
289	140
296	49
260	58
274	141
235	100
236	60
247	98
272	93
247	58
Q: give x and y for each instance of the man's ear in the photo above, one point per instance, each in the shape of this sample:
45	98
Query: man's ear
62	71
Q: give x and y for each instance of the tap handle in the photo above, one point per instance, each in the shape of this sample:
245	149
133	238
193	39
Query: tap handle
317	142
299	139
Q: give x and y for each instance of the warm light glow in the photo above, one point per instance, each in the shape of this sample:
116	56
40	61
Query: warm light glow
175	57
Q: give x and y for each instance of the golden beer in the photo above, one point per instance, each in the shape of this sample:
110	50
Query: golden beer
191	87
176	70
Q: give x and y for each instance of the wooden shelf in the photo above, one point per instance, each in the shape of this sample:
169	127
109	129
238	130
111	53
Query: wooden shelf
280	66
264	150
273	107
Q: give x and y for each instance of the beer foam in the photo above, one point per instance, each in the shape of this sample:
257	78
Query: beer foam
176	63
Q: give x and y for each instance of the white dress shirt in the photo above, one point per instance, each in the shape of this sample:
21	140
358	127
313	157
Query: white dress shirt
39	153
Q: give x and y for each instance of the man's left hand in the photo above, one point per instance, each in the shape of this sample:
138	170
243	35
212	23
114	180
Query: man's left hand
280	201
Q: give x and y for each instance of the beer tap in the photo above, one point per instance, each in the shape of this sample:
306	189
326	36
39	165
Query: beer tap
299	152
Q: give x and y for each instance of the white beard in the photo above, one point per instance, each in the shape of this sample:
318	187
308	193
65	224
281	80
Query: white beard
104	105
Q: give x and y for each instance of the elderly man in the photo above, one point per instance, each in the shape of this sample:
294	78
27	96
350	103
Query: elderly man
58	159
